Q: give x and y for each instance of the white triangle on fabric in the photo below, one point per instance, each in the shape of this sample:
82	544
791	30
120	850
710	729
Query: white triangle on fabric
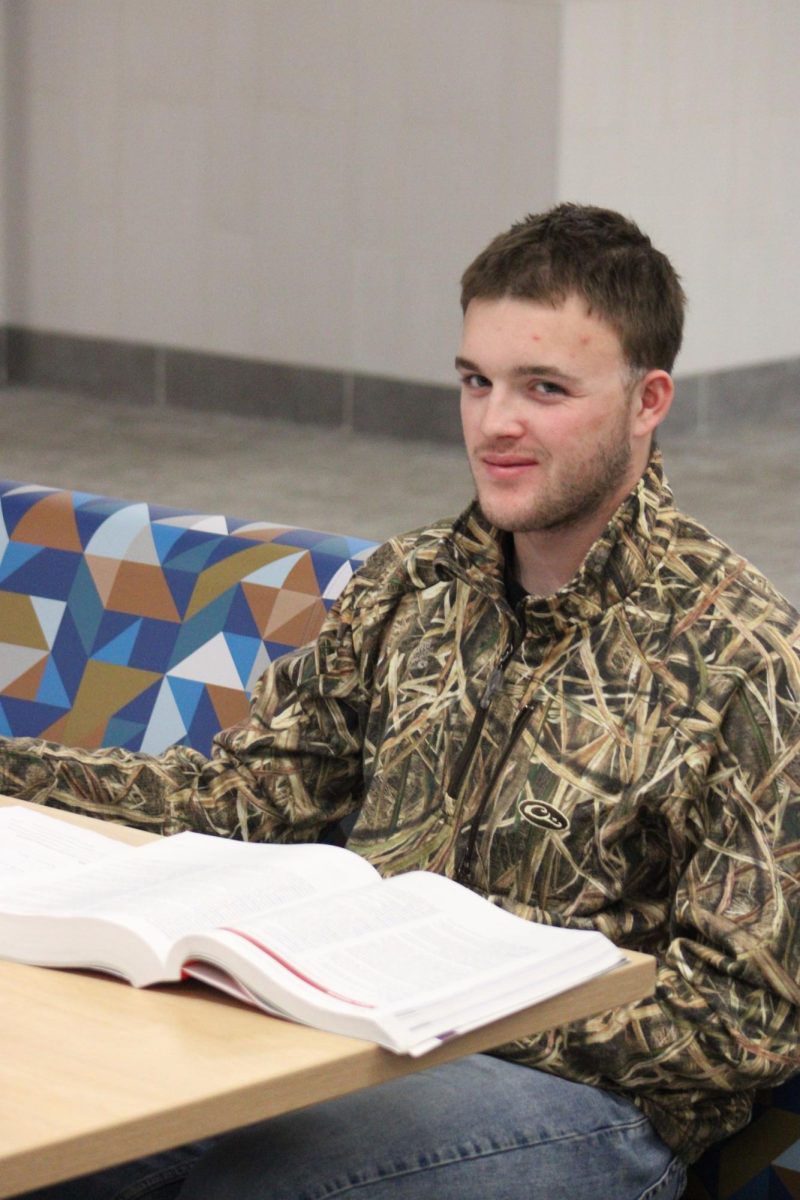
143	549
166	725
337	581
16	660
49	614
273	574
210	663
257	670
115	535
210	525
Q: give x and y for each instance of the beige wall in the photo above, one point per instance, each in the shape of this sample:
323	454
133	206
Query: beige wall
4	162
684	113
300	180
303	180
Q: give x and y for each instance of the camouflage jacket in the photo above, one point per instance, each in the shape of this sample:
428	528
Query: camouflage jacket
621	755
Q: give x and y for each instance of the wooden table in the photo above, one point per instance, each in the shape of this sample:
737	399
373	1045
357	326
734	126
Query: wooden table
93	1071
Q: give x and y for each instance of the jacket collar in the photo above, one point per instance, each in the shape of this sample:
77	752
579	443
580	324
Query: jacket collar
627	552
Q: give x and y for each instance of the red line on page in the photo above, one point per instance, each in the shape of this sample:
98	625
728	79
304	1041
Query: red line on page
291	967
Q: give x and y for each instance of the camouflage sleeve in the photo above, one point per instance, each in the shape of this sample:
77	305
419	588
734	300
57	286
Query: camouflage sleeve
725	1016
290	769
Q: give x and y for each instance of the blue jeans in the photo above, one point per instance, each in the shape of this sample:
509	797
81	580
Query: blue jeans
477	1129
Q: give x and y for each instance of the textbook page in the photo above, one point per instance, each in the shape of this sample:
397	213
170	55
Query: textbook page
31	842
156	893
417	955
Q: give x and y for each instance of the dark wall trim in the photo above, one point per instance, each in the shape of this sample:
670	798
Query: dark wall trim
160	375
134	373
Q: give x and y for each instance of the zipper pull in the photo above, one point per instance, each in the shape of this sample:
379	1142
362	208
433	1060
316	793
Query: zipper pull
492	684
495	678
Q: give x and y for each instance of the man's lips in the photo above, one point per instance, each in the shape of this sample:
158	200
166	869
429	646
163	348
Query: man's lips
507	466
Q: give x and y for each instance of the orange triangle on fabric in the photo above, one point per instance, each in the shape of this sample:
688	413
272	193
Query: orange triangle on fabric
790	1181
295	620
261	534
104	689
26	687
19	624
50	522
55	732
261	601
103	572
303	578
141	588
230	705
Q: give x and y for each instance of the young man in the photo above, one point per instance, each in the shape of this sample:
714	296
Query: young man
573	699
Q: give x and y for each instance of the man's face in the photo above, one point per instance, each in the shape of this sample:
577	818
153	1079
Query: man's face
546	409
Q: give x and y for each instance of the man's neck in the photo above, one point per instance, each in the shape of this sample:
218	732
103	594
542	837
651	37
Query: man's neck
545	561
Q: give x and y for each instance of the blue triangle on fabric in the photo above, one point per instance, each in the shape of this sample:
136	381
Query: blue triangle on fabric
277	649
204	727
140	708
85	605
338	545
301	539
27	718
326	566
120	649
69	654
188	693
80	499
228	546
127	734
112	624
16	555
53	575
5	728
164	539
181	586
51	688
758	1187
154	645
243	651
203	626
240	616
195	558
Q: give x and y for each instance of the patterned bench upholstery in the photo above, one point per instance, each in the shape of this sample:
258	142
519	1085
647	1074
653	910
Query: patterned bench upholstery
140	626
762	1162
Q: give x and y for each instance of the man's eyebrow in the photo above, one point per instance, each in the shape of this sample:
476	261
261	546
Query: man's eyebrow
523	371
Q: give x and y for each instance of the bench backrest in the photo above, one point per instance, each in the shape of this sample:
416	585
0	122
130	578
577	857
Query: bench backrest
135	625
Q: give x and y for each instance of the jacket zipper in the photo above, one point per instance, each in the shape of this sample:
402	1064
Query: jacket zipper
465	757
463	871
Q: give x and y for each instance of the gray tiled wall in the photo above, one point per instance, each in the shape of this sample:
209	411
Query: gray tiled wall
156	375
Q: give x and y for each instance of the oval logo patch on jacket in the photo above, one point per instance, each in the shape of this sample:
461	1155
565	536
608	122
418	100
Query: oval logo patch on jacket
543	815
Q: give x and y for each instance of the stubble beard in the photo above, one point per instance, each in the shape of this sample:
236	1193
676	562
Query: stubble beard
566	503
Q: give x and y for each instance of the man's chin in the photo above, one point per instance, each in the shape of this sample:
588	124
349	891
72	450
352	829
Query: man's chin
507	520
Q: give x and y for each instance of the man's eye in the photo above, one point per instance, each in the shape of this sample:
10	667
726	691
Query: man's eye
544	387
475	383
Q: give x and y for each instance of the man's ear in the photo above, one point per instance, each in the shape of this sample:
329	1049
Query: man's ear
652	400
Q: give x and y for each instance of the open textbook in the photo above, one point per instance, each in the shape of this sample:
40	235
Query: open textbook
310	933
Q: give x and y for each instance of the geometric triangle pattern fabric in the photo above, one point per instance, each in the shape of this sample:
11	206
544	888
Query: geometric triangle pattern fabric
762	1161
139	625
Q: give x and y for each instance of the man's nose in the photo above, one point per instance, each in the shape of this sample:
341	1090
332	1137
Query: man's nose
502	415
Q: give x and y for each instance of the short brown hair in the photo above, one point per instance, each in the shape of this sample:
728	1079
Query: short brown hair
599	255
